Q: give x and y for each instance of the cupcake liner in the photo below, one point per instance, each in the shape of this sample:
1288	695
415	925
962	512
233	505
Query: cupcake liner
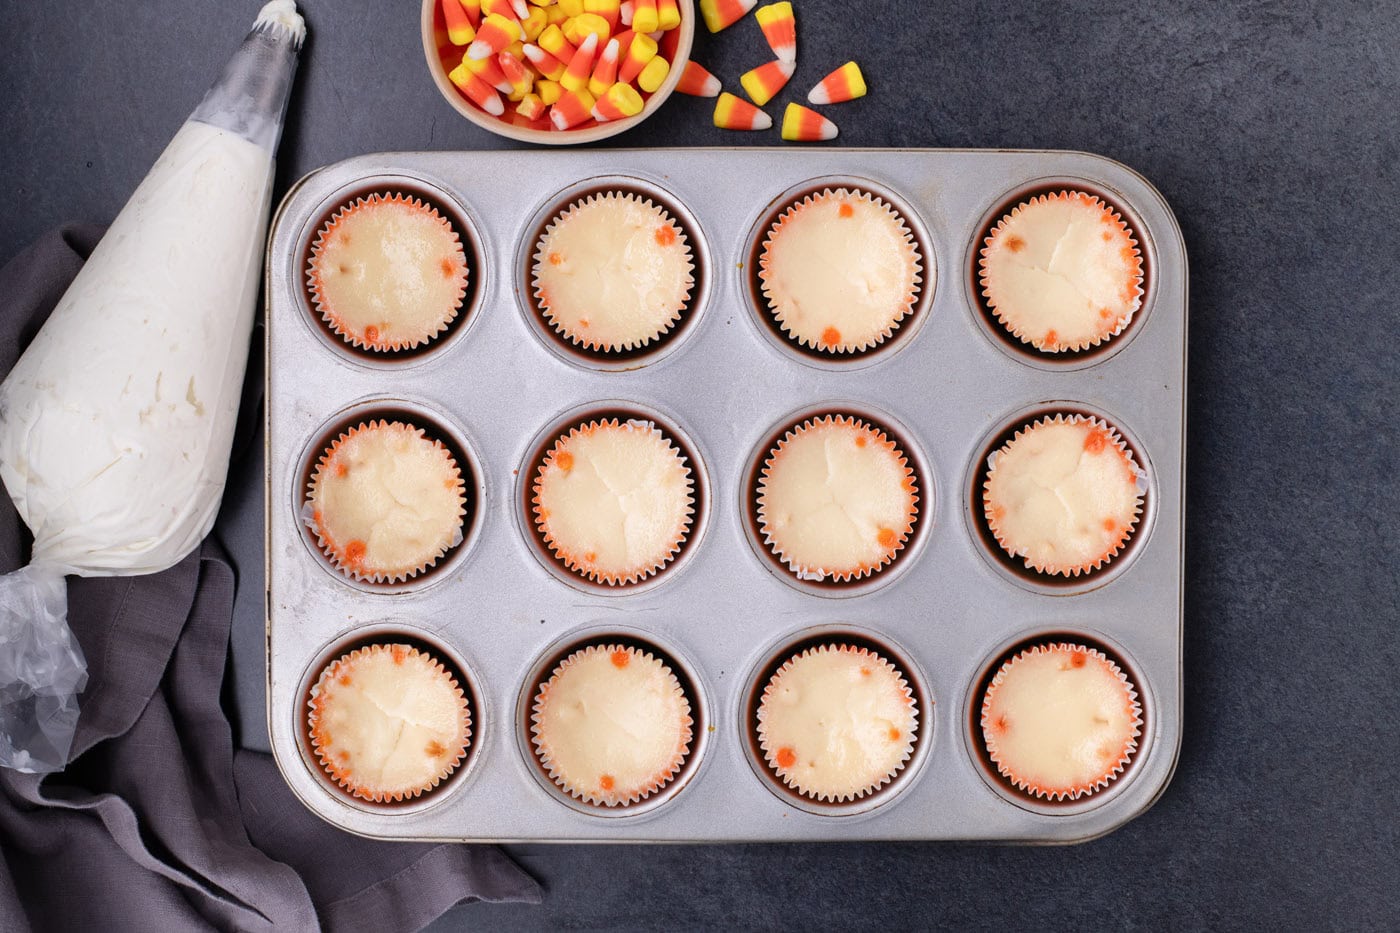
838	348
1012	327
1140	482
1074	791
321	742
771	754
541	256
615	796
336	552
862	570
579	564
314	285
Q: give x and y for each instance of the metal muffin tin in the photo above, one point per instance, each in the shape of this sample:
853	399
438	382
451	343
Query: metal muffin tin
949	384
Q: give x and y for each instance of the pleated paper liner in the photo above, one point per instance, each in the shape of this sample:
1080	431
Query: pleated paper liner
1046	347
801	767
894	540
336	706
822	338
1007	557
605	342
779	764
586	795
604	725
373	562
990	725
581	555
371	555
1099	436
430	308
564	257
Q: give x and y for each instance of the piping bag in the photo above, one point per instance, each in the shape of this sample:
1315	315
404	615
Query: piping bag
116	423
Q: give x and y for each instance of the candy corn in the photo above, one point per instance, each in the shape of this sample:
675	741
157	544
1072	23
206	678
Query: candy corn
581	66
845	83
605	71
764	82
495	34
533	24
584	24
549	91
645	17
531	107
779	28
697	82
488	70
668	14
459	26
571	109
477	90
552	41
609	10
563	61
621	100
641	50
721	14
652	76
803	125
521	81
546	64
731	113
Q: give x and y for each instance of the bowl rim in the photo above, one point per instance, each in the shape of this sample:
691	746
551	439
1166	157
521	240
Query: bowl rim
684	42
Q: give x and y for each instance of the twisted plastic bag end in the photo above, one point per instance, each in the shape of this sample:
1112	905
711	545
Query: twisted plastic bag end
42	671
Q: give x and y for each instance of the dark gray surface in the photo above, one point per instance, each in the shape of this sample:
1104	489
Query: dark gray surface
1270	127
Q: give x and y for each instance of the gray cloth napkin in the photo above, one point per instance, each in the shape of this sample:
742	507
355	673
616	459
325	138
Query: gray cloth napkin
159	822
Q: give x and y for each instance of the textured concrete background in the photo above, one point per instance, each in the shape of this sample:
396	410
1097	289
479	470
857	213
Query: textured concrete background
1272	130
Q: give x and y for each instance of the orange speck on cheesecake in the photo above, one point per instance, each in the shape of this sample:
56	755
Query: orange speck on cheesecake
606	782
1015	244
564	460
786	758
665	235
355	551
371	334
831	337
435	750
620	658
555	259
400	653
887	538
845	210
1096	441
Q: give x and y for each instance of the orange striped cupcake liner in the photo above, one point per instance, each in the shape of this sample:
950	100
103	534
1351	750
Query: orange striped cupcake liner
893	543
829	342
606	791
1111	325
1106	436
583	562
1080	655
668	232
369	338
337	763
780	759
349	557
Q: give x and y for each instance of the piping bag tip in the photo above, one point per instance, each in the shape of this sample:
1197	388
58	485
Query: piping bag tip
280	18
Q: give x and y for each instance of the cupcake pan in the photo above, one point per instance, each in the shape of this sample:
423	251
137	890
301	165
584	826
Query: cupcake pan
949	384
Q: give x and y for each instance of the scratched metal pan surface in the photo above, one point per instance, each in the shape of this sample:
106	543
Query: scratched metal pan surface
948	386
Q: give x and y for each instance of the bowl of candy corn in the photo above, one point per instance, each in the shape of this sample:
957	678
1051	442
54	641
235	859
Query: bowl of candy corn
557	72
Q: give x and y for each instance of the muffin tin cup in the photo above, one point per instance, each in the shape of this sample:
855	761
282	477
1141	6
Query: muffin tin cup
388	633
1001	785
435	426
854	636
1014	568
691	685
904	558
999	335
449	207
613	360
723	609
752	287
